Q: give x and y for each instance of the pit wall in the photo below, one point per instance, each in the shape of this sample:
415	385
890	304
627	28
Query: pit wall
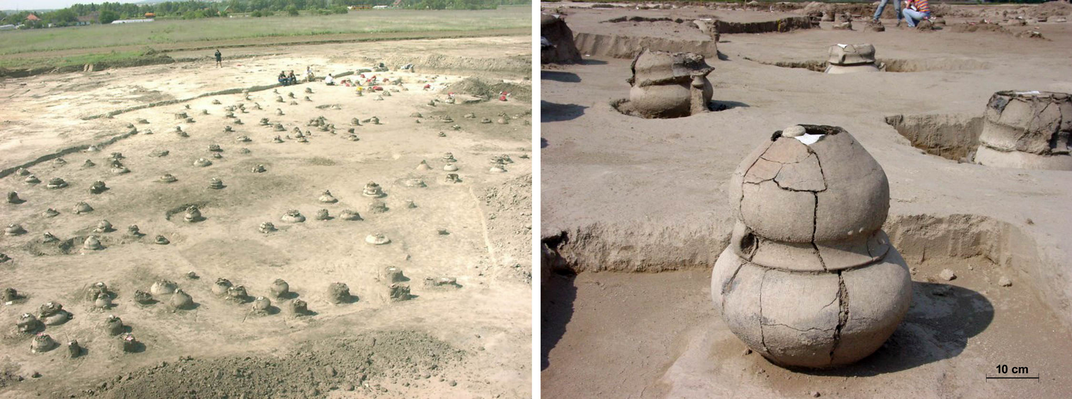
951	136
920	237
638	247
650	247
779	25
611	46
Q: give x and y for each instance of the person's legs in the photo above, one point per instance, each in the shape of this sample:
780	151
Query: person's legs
912	16
881	8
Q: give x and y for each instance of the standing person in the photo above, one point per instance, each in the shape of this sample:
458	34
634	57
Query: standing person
915	11
882	7
219	59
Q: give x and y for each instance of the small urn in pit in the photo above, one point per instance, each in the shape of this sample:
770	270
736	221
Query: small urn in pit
1027	130
851	58
669	85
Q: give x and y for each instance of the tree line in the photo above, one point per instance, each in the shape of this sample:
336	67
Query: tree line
105	13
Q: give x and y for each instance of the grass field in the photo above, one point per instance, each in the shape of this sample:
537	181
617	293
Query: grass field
32	48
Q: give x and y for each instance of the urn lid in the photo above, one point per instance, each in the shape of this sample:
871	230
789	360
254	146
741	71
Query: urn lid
851	54
829	190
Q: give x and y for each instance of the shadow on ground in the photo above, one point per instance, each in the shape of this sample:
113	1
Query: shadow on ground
938	325
557	310
564	77
716	105
553	112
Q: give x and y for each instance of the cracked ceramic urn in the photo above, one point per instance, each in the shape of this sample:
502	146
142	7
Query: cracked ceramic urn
669	85
1027	130
809	278
851	58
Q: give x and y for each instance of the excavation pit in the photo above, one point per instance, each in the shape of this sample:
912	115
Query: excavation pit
1002	284
226	241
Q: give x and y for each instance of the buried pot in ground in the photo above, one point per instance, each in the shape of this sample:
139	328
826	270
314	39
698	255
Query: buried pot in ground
669	85
1028	130
809	278
851	58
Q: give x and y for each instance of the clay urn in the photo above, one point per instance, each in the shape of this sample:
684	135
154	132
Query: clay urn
809	278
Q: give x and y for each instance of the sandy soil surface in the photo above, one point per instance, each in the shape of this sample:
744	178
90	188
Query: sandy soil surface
471	339
625	194
633	335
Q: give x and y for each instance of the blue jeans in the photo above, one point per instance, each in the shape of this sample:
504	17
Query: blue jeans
882	7
912	17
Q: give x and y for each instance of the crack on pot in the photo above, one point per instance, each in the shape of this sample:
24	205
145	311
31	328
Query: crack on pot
728	285
762	337
843	313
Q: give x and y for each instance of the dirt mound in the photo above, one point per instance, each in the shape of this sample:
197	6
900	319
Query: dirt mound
399	358
969	27
779	25
437	63
560	48
479	88
1058	8
856	9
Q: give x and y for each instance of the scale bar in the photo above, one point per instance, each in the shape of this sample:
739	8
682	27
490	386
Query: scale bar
1012	378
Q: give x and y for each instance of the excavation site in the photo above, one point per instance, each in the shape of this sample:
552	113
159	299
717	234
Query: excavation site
202	231
788	200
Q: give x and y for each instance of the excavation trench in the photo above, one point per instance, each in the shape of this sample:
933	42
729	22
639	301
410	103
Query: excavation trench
616	46
949	136
995	247
703	41
889	65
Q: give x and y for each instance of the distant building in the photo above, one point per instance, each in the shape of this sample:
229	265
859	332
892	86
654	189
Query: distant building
130	21
379	7
7	27
150	15
32	17
89	18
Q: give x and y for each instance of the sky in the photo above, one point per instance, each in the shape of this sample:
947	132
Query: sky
50	4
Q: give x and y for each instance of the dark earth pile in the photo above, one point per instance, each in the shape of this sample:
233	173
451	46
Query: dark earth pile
365	363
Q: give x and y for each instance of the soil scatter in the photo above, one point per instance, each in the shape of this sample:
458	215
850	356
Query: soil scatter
280	165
